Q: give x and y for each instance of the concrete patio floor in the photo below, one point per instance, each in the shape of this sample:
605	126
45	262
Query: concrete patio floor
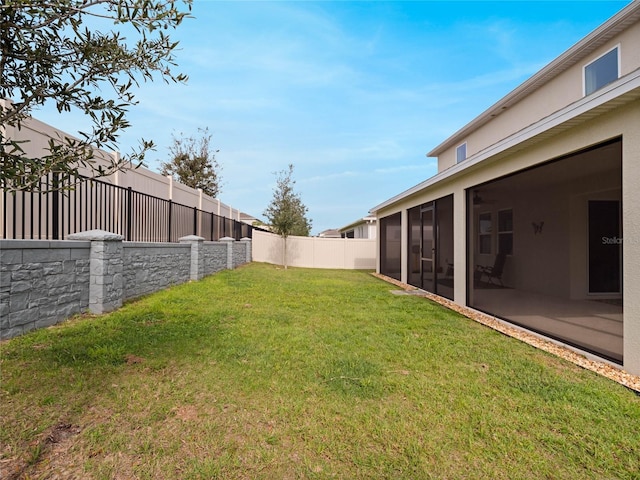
593	325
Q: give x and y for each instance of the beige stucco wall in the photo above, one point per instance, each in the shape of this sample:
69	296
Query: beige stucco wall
561	91
631	235
623	121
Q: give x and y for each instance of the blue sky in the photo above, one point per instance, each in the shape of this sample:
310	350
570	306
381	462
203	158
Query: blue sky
353	94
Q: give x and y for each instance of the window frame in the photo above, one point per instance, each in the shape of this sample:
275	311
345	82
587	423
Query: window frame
458	150
500	233
488	234
595	60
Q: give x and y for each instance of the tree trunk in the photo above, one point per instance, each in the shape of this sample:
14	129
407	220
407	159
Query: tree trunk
284	252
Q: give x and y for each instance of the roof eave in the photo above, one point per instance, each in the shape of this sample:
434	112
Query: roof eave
627	85
361	221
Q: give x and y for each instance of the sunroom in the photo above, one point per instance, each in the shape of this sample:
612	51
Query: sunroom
545	249
541	247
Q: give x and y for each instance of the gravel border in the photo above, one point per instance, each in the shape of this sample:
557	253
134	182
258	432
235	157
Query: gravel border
606	370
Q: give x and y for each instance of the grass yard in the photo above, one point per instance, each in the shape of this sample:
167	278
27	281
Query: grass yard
262	373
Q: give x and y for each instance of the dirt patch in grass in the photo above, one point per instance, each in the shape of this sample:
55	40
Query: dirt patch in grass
42	453
186	413
601	368
131	359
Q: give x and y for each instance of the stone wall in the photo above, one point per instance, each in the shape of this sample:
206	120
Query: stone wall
215	257
149	267
239	252
43	282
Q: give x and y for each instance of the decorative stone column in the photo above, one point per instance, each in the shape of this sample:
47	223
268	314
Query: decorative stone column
229	242
197	255
105	269
247	246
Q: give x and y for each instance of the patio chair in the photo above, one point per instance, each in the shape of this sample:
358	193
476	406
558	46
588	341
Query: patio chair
492	272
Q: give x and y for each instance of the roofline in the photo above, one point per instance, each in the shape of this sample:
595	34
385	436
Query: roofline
598	37
367	219
627	85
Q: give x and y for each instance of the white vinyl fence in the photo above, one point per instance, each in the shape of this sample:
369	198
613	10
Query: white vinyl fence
315	252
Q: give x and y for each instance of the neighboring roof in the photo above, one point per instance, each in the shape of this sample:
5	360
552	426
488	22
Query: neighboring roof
623	90
612	27
330	233
245	217
360	221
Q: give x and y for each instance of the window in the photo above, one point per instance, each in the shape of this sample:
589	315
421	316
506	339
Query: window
461	153
505	232
601	71
484	233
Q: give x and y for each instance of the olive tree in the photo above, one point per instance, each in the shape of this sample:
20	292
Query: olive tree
74	54
193	163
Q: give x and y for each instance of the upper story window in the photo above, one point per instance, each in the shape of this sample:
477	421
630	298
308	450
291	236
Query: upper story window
601	71
461	153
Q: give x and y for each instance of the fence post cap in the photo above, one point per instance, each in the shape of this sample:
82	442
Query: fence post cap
101	235
191	238
245	239
227	239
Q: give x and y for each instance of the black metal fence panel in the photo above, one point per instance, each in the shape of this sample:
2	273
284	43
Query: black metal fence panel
84	204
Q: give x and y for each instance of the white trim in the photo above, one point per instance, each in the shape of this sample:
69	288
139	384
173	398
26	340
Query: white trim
584	68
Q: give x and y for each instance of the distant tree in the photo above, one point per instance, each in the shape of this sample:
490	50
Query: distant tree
286	214
194	164
72	53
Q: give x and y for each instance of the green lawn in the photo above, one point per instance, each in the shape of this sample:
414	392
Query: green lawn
268	373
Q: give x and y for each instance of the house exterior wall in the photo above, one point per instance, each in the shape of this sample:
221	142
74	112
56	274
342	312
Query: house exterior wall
631	232
364	228
562	90
369	231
